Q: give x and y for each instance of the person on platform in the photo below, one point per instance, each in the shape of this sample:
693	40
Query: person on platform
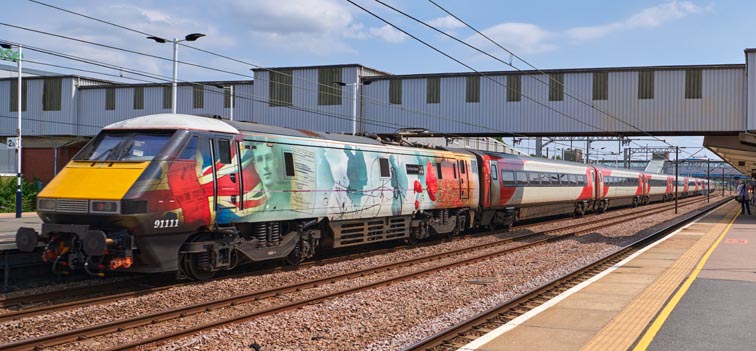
745	205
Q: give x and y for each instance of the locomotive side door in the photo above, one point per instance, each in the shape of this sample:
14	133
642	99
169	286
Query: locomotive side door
464	181
226	180
495	193
599	183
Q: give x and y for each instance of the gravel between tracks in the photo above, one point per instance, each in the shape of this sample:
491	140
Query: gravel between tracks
383	318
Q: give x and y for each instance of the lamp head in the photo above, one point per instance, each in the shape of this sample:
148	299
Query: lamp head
158	39
194	36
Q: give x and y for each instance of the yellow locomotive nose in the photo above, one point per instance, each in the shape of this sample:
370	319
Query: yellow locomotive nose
87	180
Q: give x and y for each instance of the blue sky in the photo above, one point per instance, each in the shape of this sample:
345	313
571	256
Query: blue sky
548	34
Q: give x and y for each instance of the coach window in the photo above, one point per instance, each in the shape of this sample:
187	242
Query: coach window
385	170
545	179
440	174
454	170
522	178
474	167
554	178
581	180
462	167
534	179
508	178
573	179
289	164
494	172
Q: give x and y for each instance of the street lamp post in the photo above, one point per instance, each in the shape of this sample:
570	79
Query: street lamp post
354	101
19	193
190	37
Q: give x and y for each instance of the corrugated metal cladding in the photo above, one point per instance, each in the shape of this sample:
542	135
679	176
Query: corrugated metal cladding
304	111
93	114
720	108
751	87
36	121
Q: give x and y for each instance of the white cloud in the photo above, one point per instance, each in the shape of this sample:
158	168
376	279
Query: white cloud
519	37
319	27
651	17
447	23
389	34
529	38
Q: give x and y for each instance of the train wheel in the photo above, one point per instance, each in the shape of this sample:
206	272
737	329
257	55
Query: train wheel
601	207
635	202
300	253
413	238
579	209
455	231
195	267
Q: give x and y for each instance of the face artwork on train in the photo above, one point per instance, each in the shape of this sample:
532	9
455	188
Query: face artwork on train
280	179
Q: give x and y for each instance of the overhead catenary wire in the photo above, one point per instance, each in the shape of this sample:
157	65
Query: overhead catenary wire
534	67
144	33
512	54
482	74
131	51
362	96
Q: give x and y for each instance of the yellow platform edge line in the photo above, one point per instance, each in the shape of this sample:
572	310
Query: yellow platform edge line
650	334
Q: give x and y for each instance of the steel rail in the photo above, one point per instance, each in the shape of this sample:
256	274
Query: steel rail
30	312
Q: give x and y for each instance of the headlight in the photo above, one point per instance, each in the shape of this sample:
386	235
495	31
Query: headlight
46	205
104	207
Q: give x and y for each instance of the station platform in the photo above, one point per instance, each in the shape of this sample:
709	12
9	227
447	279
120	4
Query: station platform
693	290
9	224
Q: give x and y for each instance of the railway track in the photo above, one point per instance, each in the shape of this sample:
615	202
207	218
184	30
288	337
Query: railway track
33	305
463	333
535	239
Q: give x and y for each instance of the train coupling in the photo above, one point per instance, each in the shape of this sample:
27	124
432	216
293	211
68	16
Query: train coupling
73	246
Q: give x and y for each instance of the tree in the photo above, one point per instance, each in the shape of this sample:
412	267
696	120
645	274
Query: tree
8	195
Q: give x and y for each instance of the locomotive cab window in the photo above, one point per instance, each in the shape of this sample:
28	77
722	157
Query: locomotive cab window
113	146
190	150
289	164
224	151
474	167
385	170
494	172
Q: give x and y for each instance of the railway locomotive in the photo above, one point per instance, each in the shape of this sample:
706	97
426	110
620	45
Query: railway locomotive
198	195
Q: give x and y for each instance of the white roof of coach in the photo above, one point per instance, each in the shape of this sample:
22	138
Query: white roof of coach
174	121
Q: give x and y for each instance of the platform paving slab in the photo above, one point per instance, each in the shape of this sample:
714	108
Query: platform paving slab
612	312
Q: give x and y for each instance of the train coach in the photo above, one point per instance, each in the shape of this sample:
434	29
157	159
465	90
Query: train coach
195	194
198	195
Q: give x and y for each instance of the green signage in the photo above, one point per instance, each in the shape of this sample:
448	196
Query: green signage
9	55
